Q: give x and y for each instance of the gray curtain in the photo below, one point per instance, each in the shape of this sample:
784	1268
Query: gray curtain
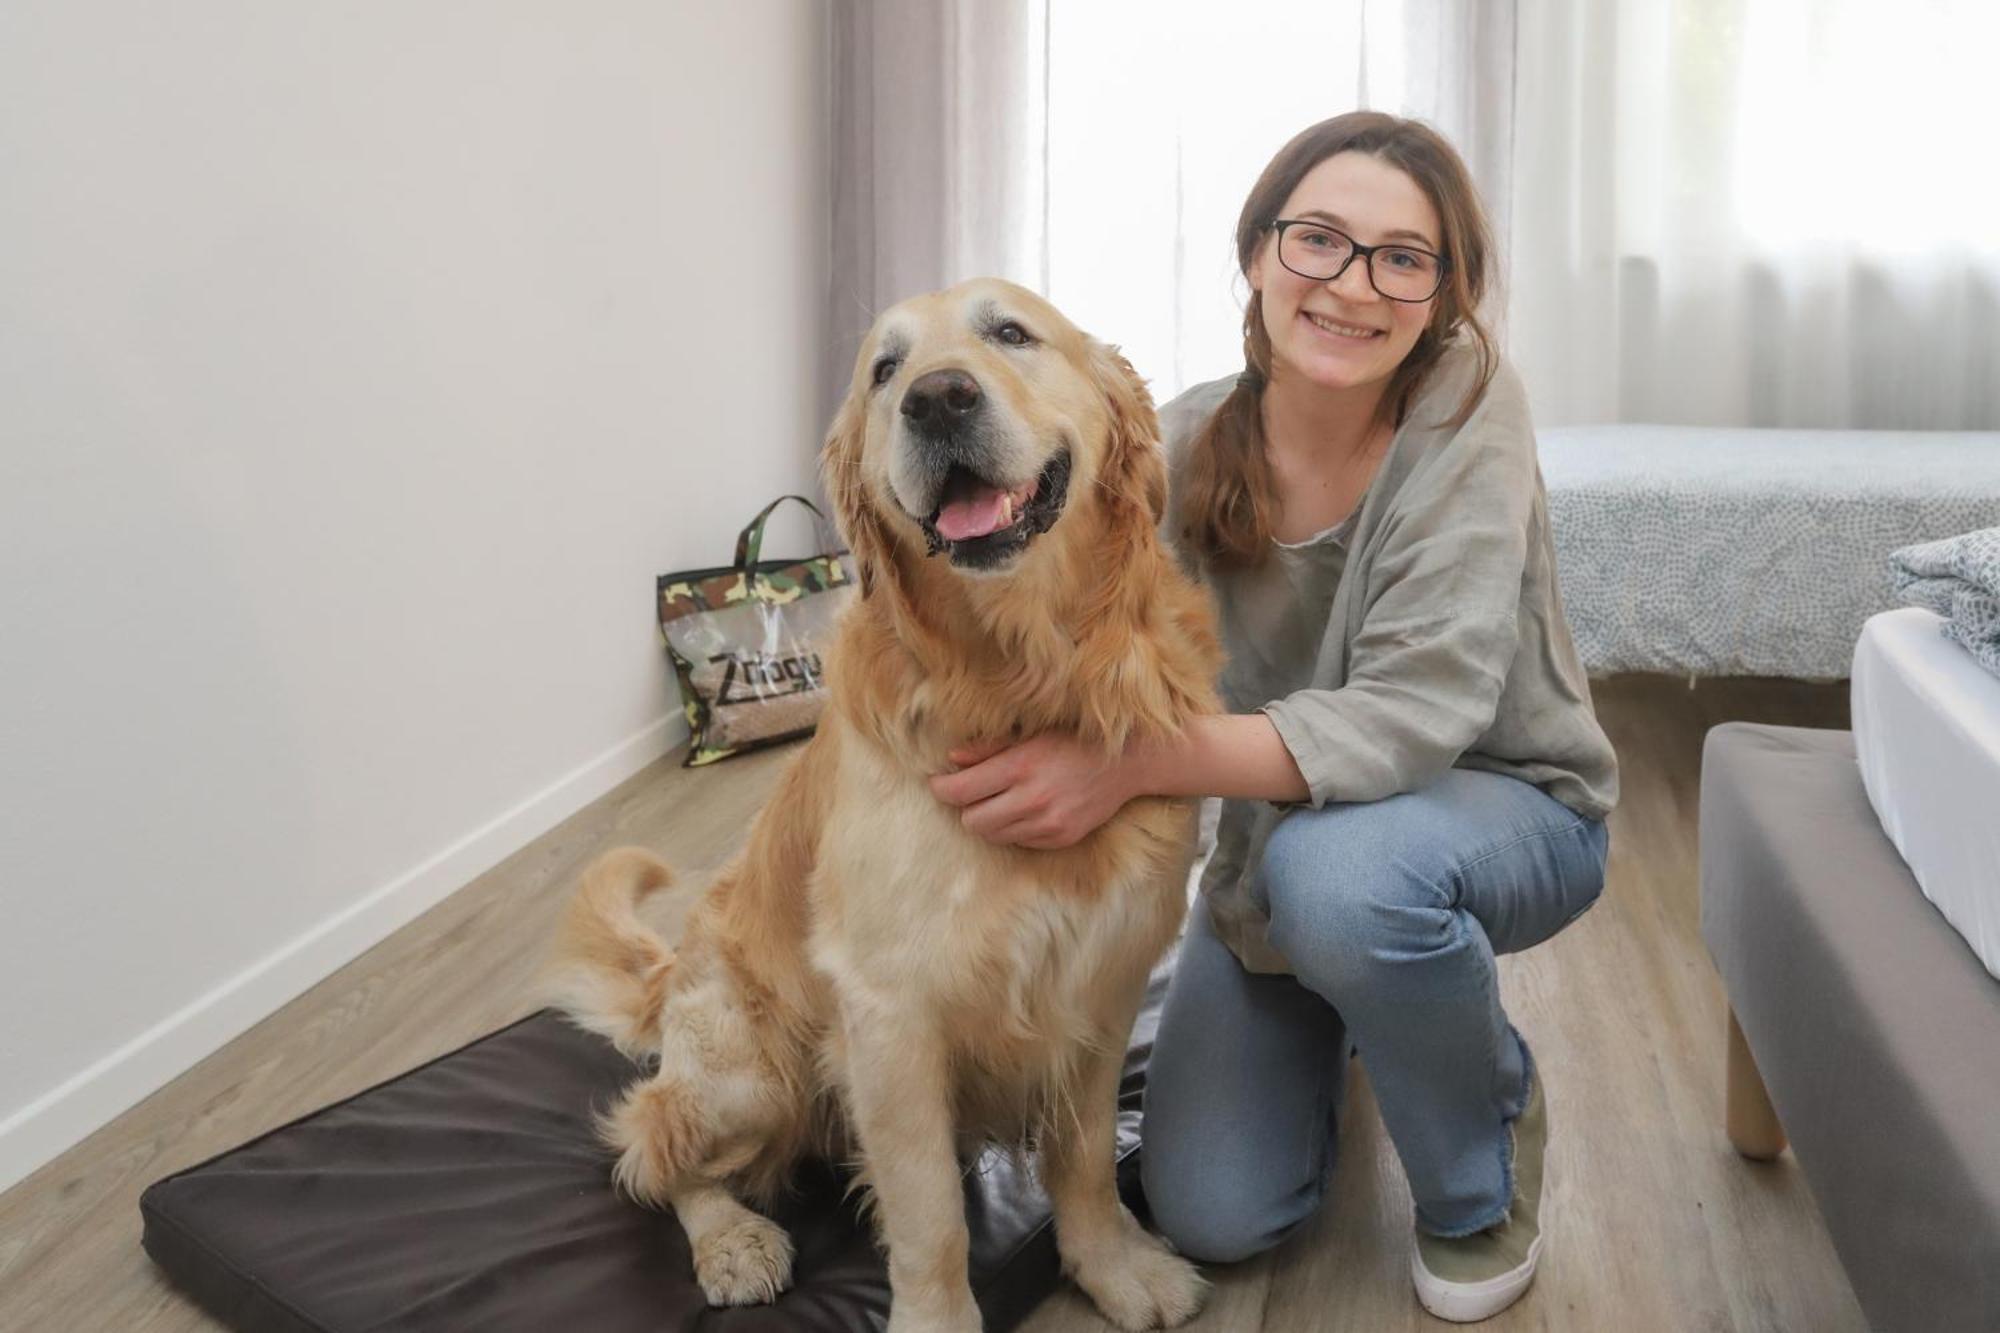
937	144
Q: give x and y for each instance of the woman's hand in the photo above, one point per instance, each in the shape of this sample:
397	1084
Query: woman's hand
1046	792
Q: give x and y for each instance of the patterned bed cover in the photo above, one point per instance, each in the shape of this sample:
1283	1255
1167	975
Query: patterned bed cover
1722	551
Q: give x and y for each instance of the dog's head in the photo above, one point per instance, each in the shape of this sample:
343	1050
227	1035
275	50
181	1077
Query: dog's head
978	422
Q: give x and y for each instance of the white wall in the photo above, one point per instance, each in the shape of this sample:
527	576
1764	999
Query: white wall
359	367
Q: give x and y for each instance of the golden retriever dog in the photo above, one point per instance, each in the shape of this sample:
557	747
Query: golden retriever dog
867	978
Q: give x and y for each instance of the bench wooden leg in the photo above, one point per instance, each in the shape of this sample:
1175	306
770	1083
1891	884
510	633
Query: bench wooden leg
1752	1121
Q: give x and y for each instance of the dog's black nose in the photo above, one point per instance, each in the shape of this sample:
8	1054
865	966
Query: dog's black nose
941	400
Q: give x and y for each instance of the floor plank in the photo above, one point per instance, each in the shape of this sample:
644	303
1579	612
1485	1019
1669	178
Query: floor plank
1654	1223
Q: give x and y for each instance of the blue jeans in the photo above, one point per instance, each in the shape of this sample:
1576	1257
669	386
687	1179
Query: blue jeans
1390	913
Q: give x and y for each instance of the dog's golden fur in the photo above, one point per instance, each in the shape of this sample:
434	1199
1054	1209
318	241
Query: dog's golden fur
868	977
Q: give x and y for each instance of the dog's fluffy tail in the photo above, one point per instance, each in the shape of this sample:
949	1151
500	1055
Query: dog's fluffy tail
608	971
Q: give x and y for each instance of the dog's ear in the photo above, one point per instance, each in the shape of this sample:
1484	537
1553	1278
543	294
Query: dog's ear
840	471
1134	464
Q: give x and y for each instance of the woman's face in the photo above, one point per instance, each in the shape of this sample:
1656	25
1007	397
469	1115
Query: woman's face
1344	334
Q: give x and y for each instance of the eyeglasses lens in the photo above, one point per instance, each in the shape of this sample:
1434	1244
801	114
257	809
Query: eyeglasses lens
1398	273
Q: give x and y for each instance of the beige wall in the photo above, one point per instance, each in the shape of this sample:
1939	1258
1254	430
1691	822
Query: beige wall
359	367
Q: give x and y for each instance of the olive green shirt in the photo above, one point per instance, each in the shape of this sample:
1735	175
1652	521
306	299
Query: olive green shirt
1422	633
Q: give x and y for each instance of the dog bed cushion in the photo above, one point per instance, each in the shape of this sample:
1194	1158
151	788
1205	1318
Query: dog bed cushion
471	1193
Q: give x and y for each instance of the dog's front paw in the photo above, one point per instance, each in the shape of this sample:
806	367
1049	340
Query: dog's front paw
745	1263
966	1321
1138	1283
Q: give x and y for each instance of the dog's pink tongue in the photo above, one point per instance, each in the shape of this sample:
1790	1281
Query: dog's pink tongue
973	515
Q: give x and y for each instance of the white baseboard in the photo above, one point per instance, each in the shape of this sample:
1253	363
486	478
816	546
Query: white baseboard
74	1109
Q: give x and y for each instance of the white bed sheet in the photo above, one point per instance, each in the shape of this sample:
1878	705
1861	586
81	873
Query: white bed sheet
1927	736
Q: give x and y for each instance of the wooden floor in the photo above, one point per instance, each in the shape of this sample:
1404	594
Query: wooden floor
1652	1221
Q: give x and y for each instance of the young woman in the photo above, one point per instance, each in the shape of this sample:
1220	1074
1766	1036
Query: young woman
1414	780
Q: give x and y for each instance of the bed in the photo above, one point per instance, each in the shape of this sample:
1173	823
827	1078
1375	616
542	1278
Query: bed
1713	551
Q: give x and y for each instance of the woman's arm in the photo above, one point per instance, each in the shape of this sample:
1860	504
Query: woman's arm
1051	791
1223	754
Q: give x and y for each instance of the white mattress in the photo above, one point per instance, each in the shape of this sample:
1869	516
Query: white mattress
1927	736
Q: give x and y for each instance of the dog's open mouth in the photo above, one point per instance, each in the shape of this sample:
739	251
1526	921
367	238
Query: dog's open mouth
979	524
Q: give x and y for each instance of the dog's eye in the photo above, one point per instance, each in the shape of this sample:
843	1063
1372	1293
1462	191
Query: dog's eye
885	369
1012	334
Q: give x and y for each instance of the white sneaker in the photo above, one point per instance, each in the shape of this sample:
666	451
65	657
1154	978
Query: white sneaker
1476	1277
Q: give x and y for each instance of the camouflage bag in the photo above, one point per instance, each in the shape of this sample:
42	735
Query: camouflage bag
746	642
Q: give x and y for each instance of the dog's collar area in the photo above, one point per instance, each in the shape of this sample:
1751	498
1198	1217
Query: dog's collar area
1040	513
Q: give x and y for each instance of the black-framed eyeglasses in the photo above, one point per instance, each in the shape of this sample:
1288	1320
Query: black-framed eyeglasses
1322	253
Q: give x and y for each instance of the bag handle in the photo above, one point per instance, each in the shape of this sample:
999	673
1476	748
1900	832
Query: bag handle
750	542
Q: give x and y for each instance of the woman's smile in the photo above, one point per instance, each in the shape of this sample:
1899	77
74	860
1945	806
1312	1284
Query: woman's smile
1340	331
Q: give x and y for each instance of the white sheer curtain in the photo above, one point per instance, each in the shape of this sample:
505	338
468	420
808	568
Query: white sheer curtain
1097	151
1758	212
1161	114
938	155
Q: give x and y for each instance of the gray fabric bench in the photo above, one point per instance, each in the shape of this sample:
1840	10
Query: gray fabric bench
1714	551
1865	1029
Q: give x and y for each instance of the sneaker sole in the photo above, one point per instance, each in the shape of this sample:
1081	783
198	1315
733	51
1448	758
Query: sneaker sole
1470	1302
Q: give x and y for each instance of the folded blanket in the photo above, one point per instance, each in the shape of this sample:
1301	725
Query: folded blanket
1959	578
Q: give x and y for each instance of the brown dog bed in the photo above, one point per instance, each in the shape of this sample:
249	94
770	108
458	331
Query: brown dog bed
471	1193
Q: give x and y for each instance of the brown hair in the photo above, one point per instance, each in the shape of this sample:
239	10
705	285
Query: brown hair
1230	496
